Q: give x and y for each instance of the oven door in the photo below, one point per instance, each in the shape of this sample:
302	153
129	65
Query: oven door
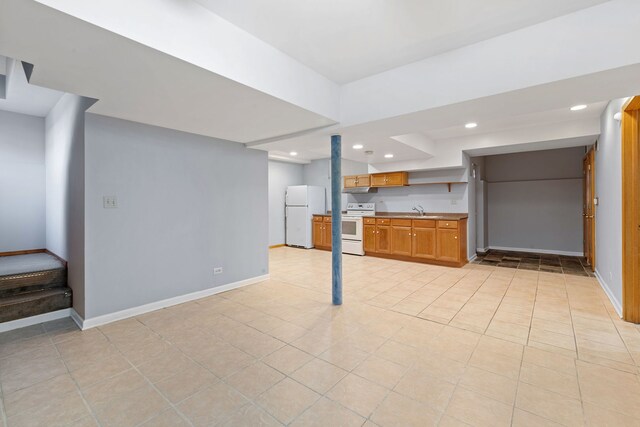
352	228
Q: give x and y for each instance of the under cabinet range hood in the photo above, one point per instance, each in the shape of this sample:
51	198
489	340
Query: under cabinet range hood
360	190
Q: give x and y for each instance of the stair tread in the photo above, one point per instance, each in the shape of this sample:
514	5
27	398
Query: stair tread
31	296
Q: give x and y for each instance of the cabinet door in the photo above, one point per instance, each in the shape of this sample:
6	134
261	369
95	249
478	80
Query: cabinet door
326	240
396	178
364	181
383	239
350	181
424	243
317	233
369	238
401	240
448	245
378	180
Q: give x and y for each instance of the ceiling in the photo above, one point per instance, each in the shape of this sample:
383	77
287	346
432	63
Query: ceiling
349	40
133	81
25	98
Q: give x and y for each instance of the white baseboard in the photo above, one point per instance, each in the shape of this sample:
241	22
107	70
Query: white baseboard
537	251
474	256
607	290
34	320
142	309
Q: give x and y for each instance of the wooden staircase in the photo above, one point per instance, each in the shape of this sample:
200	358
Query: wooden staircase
34	292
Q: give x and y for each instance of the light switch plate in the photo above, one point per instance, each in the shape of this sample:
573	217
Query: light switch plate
109	202
217	270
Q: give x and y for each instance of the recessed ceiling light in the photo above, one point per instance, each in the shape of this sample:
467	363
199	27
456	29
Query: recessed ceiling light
388	156
358	147
471	125
578	107
293	153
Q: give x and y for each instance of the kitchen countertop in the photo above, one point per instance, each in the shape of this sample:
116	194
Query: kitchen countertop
409	215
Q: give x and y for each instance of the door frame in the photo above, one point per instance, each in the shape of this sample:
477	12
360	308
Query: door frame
630	148
588	210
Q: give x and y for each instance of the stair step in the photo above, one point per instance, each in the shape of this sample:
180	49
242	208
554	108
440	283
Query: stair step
17	283
33	303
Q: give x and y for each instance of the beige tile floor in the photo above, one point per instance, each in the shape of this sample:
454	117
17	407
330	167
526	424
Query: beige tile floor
413	345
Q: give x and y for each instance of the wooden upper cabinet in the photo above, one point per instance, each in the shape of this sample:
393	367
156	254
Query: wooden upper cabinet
448	245
389	179
369	238
401	240
383	239
353	181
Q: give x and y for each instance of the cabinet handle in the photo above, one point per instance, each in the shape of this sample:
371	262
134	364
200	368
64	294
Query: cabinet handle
414	235
455	237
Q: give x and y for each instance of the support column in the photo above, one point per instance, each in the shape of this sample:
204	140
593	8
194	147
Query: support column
336	219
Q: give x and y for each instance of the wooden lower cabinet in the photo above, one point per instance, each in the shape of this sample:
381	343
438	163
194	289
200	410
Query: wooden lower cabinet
448	246
383	239
424	243
322	231
401	237
369	238
317	234
439	242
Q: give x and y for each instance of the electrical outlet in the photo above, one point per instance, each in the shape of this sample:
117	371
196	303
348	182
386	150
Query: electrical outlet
109	202
217	270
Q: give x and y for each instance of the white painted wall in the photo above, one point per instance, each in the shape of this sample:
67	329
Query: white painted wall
65	189
608	217
480	69
535	200
186	204
22	182
281	175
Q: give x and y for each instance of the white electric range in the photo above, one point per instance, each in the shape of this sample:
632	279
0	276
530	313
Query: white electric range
352	227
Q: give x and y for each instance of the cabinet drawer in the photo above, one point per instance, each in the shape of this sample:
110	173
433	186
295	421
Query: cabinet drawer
424	223
327	219
383	221
401	222
317	218
369	220
448	224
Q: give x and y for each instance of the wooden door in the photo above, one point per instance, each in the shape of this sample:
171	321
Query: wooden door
588	208
424	243
369	238
401	237
350	181
396	178
378	180
631	210
317	233
326	234
447	245
363	181
383	239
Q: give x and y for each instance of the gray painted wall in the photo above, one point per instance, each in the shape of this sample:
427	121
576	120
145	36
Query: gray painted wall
186	204
609	192
318	172
535	200
65	216
281	175
22	182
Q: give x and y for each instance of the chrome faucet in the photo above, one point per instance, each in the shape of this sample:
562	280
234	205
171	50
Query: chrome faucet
419	209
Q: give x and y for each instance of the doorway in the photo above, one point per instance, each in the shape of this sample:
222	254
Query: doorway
631	210
588	209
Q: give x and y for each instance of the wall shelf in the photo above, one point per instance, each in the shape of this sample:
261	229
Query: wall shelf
447	183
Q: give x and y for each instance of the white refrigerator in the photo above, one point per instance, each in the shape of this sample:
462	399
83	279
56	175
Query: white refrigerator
301	203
